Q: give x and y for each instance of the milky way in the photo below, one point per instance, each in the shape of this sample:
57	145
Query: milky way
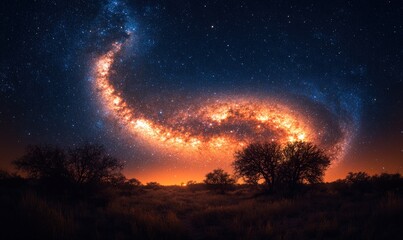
216	125
173	88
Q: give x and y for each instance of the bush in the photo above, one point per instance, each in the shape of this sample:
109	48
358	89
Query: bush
220	180
153	185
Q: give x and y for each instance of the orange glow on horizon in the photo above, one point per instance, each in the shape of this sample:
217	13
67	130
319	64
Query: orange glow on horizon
168	177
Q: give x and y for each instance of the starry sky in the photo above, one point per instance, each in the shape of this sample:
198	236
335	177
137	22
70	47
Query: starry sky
151	80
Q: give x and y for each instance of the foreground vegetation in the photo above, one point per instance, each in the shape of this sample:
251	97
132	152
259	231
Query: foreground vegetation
80	193
358	207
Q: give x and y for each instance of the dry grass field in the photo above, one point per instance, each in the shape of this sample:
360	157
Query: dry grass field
325	211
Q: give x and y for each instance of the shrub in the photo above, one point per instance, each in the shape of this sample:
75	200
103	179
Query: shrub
218	179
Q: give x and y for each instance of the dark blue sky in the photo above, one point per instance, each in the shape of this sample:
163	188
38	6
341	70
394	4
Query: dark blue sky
343	55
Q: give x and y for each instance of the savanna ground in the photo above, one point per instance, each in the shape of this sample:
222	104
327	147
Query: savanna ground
324	211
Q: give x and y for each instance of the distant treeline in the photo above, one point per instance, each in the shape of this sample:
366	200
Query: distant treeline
270	167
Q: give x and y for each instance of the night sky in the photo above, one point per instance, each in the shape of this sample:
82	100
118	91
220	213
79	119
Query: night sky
173	88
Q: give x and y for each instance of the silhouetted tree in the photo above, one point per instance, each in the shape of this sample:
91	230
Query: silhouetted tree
88	164
153	185
193	185
259	161
359	182
46	163
357	178
191	182
304	163
117	180
218	179
134	182
296	163
127	187
387	181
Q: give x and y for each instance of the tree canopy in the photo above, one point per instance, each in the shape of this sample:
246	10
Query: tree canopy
218	179
218	176
290	165
91	164
44	163
303	162
83	165
259	161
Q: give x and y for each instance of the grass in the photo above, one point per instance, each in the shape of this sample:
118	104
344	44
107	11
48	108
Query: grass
185	213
